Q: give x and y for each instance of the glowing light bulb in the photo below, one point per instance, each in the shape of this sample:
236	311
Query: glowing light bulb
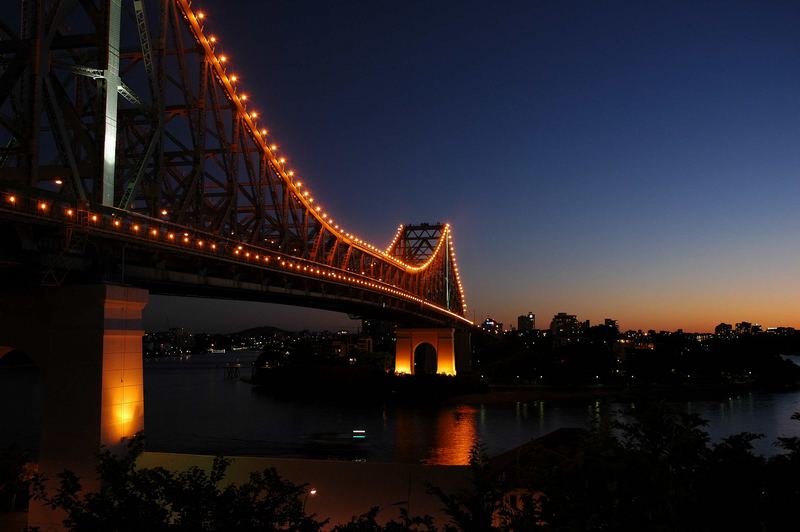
223	58
201	15
212	39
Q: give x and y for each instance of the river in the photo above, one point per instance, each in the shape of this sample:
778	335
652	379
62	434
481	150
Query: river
191	407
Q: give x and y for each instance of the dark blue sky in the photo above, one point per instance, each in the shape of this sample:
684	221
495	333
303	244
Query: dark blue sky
635	160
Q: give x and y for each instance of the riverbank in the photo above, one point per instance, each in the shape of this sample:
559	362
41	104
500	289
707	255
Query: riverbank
509	393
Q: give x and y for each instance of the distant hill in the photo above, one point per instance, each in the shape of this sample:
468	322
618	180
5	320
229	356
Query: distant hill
264	329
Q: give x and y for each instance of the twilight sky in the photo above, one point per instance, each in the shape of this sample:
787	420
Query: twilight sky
633	160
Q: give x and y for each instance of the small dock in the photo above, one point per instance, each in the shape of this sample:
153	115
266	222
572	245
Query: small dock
232	370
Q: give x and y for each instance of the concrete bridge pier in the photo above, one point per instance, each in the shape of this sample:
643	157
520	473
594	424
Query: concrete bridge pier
87	340
443	350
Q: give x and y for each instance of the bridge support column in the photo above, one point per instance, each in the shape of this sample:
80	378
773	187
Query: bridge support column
442	341
87	340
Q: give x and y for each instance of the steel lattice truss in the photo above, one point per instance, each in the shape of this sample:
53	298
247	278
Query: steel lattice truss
122	109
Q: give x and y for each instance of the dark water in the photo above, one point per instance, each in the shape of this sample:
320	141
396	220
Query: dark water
191	407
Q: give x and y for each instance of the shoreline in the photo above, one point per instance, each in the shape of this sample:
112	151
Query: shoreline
510	393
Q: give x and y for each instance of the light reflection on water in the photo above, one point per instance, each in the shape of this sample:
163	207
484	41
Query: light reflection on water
190	407
456	435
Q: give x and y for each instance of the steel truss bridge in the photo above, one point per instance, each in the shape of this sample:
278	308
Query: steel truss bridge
128	154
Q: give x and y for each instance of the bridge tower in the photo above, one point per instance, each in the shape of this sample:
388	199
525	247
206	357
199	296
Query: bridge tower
442	350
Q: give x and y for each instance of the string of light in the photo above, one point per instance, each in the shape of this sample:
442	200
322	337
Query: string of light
167	233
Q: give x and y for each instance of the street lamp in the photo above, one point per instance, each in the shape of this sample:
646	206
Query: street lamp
312	491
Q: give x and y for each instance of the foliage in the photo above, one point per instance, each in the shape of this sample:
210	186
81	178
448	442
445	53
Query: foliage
154	499
652	468
16	472
472	510
367	522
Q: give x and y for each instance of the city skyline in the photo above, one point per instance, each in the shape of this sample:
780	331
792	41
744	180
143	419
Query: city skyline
223	316
627	160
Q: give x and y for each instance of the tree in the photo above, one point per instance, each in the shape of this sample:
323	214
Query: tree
367	522
16	472
472	510
155	499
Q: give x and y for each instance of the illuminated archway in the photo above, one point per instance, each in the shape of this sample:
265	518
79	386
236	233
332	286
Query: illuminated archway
4	350
440	339
425	359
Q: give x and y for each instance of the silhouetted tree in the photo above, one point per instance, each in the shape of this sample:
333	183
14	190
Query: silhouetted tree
472	510
15	477
155	499
367	522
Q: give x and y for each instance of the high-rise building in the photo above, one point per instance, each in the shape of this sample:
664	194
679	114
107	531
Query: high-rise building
491	326
381	332
565	329
526	322
723	329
